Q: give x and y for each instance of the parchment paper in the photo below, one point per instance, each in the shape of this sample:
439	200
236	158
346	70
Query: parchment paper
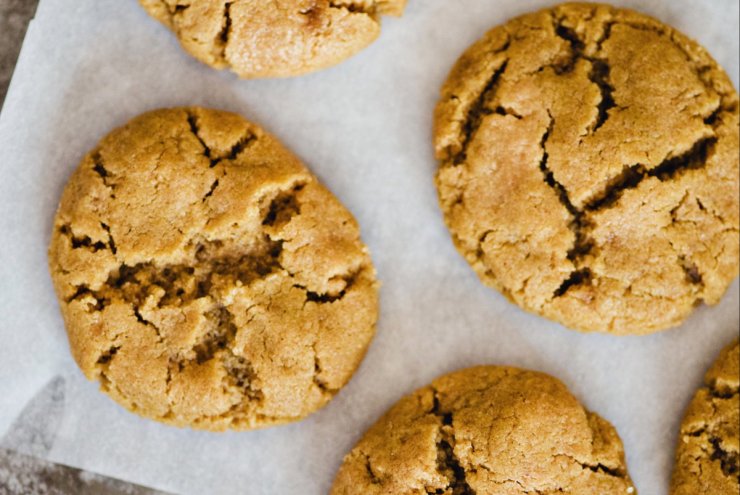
365	128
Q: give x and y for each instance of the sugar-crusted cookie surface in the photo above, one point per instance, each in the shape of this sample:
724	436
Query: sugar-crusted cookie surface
707	458
280	38
487	430
206	278
589	168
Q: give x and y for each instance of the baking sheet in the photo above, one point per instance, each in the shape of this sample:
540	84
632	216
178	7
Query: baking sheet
364	128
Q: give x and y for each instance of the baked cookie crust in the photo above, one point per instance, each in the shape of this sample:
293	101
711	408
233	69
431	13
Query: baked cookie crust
487	430
280	38
206	278
589	168
707	456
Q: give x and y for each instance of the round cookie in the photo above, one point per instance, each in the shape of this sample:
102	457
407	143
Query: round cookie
589	168
487	430
281	38
206	278
709	445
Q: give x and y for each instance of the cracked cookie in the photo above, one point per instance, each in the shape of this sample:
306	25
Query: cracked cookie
589	168
281	38
709	445
487	430
206	278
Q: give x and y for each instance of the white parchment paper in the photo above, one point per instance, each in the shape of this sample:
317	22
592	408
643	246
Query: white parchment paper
364	128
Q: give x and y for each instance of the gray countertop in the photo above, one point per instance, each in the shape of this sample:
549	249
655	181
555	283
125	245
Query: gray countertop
14	18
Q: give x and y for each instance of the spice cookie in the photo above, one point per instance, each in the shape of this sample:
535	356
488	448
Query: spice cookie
206	278
589	168
280	38
487	430
707	456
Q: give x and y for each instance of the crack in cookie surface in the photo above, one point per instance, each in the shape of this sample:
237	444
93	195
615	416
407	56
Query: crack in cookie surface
477	110
233	279
483	430
448	463
707	454
558	88
273	39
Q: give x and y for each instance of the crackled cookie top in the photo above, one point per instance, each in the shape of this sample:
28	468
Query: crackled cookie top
279	38
487	430
709	445
206	278
589	168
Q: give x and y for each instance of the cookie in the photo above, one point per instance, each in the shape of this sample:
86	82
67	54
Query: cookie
206	278
281	38
709	444
487	430
589	168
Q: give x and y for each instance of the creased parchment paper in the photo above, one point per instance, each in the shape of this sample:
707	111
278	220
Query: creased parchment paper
364	128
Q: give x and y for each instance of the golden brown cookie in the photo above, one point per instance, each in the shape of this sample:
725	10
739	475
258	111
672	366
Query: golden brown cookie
707	457
487	430
206	278
280	38
589	168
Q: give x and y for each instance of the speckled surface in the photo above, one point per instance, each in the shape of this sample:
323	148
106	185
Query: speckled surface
14	18
371	147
